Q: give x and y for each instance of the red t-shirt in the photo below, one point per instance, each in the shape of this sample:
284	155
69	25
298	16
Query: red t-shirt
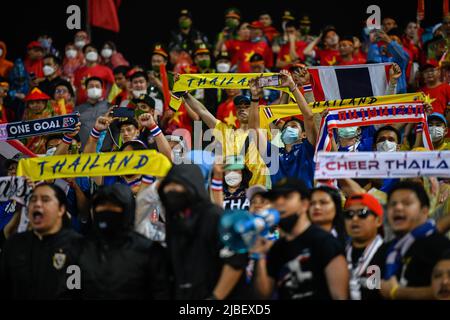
246	49
85	72
226	112
270	33
327	57
442	95
284	55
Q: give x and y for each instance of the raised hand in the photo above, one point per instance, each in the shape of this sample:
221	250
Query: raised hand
286	79
255	90
302	76
146	120
102	123
75	132
395	72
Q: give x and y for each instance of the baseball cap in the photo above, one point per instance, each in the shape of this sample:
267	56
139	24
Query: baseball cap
144	98
367	200
288	185
185	13
241	99
437	115
254	190
256	25
34	44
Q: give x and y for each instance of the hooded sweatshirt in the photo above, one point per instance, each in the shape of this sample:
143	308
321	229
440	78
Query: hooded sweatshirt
193	241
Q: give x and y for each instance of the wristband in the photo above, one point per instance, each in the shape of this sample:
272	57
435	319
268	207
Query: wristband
307	88
95	133
155	130
257	256
419	127
66	139
216	185
148	179
393	293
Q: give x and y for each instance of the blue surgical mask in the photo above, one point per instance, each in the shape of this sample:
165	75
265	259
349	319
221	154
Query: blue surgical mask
290	135
348	132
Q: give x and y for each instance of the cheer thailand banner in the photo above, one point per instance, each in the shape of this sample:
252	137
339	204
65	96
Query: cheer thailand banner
148	162
188	82
13	188
412	112
40	127
271	113
361	165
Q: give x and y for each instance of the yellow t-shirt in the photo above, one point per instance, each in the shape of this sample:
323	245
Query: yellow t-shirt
232	141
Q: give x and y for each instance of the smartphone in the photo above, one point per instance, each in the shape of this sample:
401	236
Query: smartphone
122	112
270	81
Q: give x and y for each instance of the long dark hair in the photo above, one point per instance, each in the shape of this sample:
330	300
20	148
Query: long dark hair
338	220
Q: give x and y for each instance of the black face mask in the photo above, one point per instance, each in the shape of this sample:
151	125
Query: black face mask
175	202
288	223
109	223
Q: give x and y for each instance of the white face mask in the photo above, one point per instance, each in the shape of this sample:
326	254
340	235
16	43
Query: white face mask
223	67
80	44
48	70
106	53
138	93
386	146
1	52
436	133
94	93
92	56
233	178
71	53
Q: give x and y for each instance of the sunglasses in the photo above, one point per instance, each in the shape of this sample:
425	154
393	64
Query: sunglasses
362	214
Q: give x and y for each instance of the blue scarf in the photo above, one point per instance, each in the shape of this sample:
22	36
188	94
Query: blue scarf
399	248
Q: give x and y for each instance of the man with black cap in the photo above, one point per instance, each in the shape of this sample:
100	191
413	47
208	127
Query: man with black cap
306	262
201	268
187	38
116	262
34	264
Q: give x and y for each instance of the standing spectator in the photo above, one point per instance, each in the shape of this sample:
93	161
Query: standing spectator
37	107
438	127
4	87
187	38
363	221
435	88
325	211
269	30
33	264
306	262
33	62
47	43
111	57
347	53
92	69
73	59
230	31
63	97
94	107
80	40
292	51
236	181
52	73
5	65
329	55
388	24
411	256
18	89
257	44
193	244
120	93
118	263
390	50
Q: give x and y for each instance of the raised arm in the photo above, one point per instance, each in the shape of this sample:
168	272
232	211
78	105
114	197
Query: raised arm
198	107
308	117
63	148
146	120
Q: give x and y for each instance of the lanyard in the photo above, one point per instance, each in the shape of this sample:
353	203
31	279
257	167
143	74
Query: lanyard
366	257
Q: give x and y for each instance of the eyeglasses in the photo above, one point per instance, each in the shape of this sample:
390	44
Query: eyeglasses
362	214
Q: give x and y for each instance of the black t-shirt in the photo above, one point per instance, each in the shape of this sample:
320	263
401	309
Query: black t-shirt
377	260
419	260
298	266
236	200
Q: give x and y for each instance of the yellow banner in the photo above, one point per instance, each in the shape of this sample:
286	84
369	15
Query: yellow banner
271	113
148	162
188	82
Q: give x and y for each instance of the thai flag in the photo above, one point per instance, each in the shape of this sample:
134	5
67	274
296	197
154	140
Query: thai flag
10	148
343	82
